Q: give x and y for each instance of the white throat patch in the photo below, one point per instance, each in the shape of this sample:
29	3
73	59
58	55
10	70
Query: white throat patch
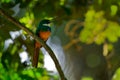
46	24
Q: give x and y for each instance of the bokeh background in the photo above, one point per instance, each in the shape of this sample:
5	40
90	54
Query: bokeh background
85	38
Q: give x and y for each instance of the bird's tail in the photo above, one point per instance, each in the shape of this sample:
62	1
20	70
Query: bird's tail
36	54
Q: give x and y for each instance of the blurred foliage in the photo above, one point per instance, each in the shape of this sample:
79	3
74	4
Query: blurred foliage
101	24
26	74
86	78
102	30
116	75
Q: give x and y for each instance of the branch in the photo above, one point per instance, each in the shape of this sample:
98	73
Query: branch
48	49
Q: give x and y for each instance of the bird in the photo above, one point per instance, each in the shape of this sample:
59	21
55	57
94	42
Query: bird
43	31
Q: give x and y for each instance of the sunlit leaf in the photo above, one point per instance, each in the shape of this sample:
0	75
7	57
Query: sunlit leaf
116	75
7	1
84	35
29	72
100	1
100	38
112	32
28	20
90	15
45	78
98	29
87	78
114	10
62	2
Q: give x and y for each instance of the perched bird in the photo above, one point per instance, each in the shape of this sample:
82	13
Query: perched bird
43	31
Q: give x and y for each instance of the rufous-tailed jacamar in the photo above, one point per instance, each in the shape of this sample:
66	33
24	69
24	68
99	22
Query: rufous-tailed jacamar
43	31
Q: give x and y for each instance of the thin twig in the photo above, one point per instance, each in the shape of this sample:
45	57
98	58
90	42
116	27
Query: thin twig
48	49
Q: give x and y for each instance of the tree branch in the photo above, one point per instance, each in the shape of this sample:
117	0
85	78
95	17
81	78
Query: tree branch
48	49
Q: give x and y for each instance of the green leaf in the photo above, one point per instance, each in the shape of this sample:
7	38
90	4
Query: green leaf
116	75
114	10
100	1
6	1
87	78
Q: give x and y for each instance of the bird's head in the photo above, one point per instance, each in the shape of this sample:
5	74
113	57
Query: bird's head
44	25
45	22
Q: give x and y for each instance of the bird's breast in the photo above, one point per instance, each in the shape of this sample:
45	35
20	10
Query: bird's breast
44	35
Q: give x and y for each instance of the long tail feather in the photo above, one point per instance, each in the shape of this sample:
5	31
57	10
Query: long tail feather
36	55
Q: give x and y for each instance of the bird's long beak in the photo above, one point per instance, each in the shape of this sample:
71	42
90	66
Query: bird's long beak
53	19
